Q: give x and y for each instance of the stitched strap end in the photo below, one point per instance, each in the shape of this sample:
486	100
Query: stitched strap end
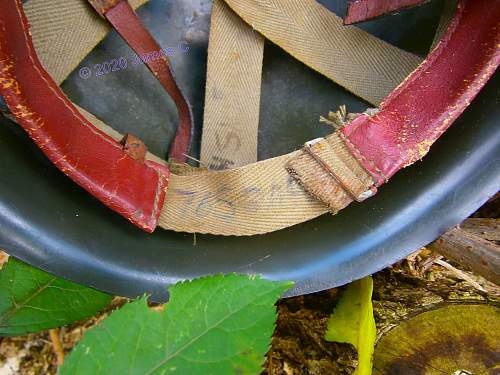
328	171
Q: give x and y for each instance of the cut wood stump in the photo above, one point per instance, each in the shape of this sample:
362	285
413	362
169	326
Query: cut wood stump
454	339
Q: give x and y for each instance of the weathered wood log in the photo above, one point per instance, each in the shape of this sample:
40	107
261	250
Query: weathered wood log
471	251
488	229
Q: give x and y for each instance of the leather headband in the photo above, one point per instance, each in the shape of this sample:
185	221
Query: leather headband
431	98
134	189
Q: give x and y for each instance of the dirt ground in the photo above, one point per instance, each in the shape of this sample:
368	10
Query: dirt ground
412	285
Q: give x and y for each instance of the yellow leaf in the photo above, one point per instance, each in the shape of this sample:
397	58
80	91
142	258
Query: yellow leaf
352	322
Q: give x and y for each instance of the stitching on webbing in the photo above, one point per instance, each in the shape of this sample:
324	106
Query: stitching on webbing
334	210
333	172
344	138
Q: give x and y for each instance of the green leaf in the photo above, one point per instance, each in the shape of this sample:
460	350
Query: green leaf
352	322
215	325
32	300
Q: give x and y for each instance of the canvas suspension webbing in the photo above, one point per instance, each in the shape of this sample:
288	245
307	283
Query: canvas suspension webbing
232	94
349	165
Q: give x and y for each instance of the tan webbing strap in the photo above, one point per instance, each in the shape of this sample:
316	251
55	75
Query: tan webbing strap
356	60
64	32
232	95
263	196
257	198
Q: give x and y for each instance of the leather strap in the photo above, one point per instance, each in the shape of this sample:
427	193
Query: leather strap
364	10
124	19
414	115
86	154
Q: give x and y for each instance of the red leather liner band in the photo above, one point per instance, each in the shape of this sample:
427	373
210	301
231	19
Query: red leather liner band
364	10
421	108
124	19
88	156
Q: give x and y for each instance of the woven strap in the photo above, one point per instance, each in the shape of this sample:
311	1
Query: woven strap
64	32
232	94
362	64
